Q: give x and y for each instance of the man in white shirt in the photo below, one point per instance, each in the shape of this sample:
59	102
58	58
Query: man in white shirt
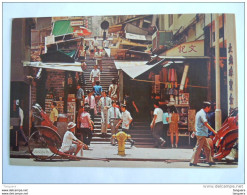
98	57
126	120
114	116
104	104
71	145
95	75
157	125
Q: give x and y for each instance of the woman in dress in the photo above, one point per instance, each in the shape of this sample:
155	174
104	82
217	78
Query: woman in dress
173	127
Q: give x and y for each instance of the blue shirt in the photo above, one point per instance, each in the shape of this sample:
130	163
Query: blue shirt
165	116
80	93
97	90
201	129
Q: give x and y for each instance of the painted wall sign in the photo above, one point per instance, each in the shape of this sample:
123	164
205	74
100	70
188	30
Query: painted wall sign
194	48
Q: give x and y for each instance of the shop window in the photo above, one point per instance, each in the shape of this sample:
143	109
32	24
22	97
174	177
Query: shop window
170	19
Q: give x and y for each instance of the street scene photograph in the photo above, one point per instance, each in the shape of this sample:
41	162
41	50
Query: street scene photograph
153	90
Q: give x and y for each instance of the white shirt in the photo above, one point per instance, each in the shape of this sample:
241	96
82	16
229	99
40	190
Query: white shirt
104	101
106	43
21	115
126	117
95	73
67	141
159	113
113	113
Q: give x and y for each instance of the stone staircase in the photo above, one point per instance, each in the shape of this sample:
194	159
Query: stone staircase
141	132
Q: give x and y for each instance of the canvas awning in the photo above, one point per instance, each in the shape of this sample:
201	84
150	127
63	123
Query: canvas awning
76	67
134	68
62	27
184	57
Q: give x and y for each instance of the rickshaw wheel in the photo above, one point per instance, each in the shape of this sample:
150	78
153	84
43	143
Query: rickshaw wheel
44	143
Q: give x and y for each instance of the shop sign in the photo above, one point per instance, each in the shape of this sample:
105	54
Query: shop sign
76	23
195	48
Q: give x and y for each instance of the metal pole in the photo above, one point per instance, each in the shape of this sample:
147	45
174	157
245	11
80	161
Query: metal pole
217	74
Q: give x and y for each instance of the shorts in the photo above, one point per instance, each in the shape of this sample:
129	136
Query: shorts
72	149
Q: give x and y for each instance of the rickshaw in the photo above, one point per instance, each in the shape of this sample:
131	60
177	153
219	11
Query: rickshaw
45	142
226	138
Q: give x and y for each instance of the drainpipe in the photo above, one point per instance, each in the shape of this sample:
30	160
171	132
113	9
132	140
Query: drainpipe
217	74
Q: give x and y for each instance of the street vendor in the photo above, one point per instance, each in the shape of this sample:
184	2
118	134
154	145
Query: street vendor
71	145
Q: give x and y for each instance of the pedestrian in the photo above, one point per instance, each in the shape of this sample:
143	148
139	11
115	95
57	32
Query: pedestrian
97	94
79	96
85	126
157	126
211	118
113	90
126	120
98	57
104	104
151	105
95	75
71	145
19	125
165	122
54	113
106	43
91	50
201	128
95	43
131	106
114	116
173	126
92	105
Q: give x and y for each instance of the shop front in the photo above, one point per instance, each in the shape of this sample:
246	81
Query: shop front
56	83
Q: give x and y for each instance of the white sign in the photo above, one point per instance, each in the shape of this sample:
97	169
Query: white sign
76	23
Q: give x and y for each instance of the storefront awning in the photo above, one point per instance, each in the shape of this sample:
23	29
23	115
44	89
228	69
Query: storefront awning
134	68
62	27
57	66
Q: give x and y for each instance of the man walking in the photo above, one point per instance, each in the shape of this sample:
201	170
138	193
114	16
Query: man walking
79	96
97	94
98	57
201	128
95	75
104	104
114	116
157	125
126	120
91	102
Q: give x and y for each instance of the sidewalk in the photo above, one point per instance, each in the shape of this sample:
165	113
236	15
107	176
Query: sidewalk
109	152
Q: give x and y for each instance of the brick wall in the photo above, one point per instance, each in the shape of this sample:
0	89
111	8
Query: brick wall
56	80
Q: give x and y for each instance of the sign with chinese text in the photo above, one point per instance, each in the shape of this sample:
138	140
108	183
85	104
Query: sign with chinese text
76	23
195	48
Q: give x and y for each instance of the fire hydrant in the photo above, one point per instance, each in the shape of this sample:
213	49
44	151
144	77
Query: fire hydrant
121	137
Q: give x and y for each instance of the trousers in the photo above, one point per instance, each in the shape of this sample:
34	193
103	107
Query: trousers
201	143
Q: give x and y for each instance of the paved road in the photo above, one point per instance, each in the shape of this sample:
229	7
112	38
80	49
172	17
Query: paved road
134	164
